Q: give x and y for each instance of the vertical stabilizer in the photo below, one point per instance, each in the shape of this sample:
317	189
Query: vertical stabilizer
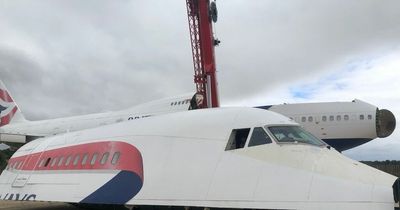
9	111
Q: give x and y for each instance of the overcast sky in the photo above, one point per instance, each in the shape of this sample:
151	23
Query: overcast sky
64	58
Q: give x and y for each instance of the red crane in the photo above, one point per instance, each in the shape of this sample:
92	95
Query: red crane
201	14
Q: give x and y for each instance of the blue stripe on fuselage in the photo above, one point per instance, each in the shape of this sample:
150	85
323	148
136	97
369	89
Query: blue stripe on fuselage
119	190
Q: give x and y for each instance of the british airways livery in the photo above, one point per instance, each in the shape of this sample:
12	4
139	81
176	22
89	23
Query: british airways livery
216	158
7	108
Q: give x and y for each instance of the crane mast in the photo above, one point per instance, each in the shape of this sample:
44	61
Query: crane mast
201	14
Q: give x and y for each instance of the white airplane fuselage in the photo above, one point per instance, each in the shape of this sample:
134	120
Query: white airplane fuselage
188	159
343	125
24	131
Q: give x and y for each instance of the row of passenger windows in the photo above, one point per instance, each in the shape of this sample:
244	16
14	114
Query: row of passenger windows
180	102
73	160
334	118
15	165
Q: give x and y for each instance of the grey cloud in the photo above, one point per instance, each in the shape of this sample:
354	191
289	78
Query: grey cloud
108	55
275	42
101	55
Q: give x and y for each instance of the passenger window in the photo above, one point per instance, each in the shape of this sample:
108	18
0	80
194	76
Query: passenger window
331	118
84	159
303	119
60	162
20	165
259	137
68	160
369	117
40	164
94	157
47	162
339	118
104	158
237	139
346	117
53	162
310	119
324	118
115	158
361	117
76	160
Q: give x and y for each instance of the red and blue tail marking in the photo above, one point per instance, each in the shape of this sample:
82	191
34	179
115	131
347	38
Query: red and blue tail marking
6	118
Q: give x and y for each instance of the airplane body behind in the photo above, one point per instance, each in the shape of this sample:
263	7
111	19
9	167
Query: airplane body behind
25	131
343	125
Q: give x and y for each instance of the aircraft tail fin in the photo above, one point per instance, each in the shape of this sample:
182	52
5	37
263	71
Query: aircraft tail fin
9	111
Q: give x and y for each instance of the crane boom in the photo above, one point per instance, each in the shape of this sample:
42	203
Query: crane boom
200	16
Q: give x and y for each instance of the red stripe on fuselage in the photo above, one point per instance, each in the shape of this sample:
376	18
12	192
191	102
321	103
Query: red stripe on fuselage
130	158
5	96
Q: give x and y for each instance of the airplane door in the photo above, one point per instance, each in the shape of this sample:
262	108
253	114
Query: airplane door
317	120
314	124
319	125
24	175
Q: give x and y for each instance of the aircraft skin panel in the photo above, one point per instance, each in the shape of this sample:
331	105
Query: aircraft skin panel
183	158
323	107
184	163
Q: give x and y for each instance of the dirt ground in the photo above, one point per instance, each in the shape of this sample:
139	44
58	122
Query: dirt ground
18	205
30	205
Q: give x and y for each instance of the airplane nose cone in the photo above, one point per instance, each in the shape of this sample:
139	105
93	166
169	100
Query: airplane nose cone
385	123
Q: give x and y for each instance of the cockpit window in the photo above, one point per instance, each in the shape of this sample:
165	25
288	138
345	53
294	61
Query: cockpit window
294	134
259	137
237	139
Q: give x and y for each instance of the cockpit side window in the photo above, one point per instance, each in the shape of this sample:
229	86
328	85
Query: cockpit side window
259	137
237	138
